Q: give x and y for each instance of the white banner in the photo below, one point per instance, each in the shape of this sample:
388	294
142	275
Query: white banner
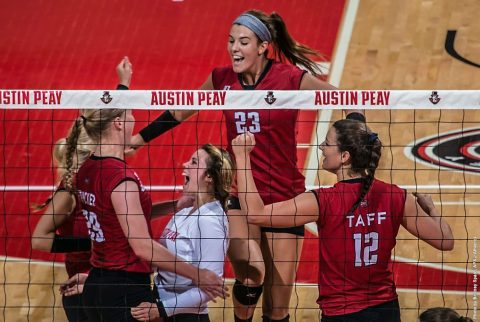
222	100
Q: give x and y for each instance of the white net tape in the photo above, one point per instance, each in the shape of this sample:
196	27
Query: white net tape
259	99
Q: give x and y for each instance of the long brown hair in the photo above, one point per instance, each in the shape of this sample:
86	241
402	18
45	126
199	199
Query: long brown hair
442	314
84	149
284	46
221	169
365	150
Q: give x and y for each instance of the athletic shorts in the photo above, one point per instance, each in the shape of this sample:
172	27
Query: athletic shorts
385	312
108	295
74	309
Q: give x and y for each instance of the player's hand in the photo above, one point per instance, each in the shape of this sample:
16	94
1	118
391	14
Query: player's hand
146	311
136	142
74	285
211	284
124	72
243	144
425	201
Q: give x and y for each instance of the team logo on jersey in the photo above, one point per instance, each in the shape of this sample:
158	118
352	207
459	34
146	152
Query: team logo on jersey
226	87
434	98
458	150
170	234
270	99
106	98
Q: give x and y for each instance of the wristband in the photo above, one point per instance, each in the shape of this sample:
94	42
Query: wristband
70	244
162	124
356	116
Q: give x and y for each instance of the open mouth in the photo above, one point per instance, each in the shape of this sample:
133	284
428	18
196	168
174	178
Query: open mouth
186	179
237	59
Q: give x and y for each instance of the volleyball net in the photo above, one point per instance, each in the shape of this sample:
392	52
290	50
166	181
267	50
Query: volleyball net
431	142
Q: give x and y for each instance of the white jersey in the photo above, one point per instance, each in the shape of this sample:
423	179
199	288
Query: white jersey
200	238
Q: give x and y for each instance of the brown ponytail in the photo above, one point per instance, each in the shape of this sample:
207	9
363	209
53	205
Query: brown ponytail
284	46
84	148
71	147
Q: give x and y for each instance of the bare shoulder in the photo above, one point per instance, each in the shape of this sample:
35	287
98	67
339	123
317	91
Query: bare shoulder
310	82
208	84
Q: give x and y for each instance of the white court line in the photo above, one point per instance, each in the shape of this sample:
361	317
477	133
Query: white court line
52	188
455	203
312	227
335	75
438	292
423	187
432	265
309	187
303	146
20	260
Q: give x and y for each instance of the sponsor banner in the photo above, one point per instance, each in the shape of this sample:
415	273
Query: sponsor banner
208	100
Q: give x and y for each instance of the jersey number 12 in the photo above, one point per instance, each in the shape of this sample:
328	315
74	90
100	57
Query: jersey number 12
365	247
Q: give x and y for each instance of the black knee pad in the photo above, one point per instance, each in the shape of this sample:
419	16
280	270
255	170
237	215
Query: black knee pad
246	295
237	319
267	319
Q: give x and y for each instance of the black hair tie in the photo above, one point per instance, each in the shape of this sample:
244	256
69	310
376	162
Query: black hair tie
372	137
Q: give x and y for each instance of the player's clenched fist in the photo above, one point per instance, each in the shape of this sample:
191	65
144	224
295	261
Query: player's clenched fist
243	144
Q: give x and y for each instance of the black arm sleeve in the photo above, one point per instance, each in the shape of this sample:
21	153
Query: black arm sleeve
162	124
357	116
122	87
70	244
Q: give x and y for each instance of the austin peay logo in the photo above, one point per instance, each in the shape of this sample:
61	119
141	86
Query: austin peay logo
457	150
106	98
434	98
270	99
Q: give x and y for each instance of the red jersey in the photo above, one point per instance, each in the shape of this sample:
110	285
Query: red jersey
95	181
354	261
274	159
75	226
